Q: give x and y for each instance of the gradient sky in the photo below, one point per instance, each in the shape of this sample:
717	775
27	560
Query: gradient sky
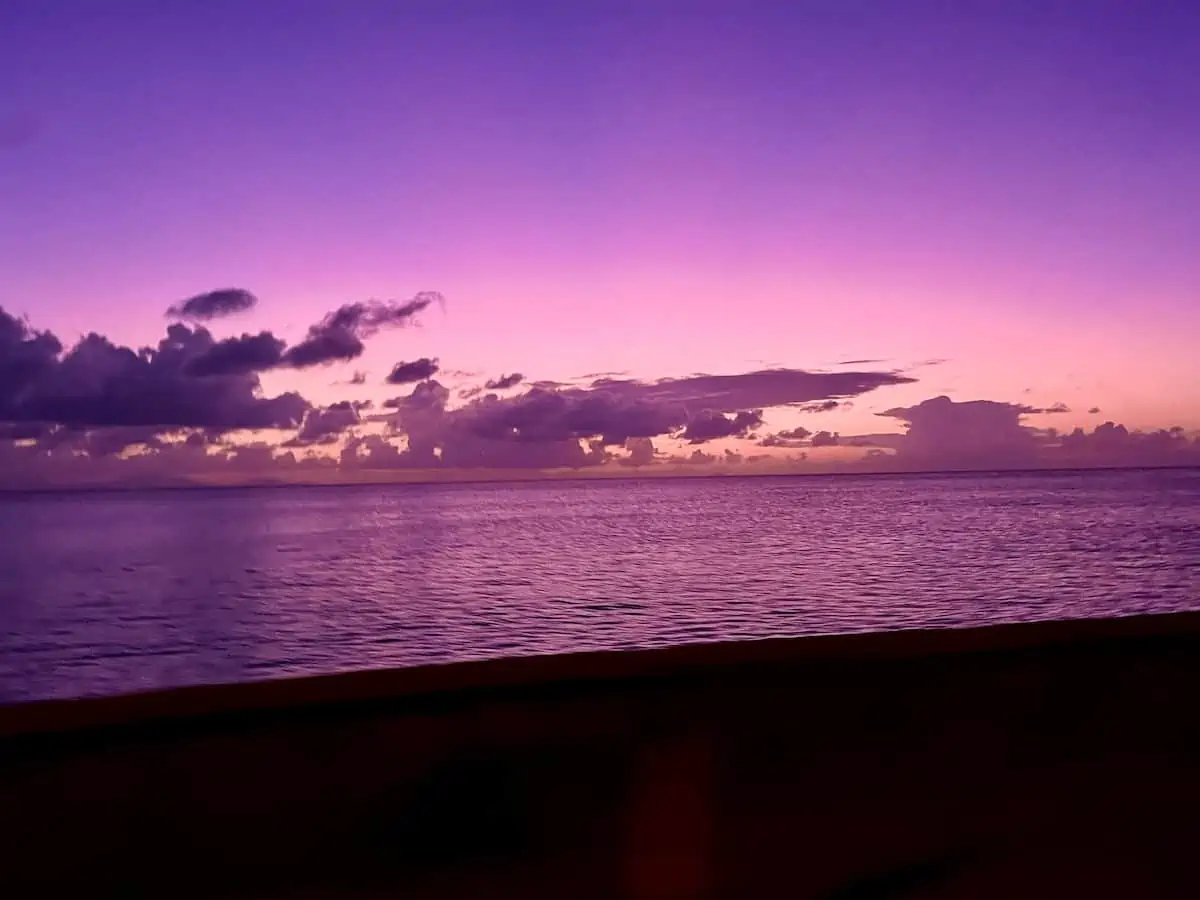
651	187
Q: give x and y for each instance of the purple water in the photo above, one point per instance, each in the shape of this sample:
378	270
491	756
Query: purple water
113	592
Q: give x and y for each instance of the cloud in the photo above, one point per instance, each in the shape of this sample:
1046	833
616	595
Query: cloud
707	426
1110	444
24	431
825	439
214	305
103	411
409	372
1094	411
480	435
798	433
325	425
641	452
884	440
802	437
751	390
98	384
339	335
554	415
81	460
555	425
792	437
323	346
595	376
238	356
990	434
27	357
504	382
970	433
108	441
820	406
428	396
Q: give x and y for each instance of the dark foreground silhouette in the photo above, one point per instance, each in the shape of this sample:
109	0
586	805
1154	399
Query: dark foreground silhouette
1047	760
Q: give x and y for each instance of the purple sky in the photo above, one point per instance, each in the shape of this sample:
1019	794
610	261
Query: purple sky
652	188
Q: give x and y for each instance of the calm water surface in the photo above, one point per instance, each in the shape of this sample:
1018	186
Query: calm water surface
112	592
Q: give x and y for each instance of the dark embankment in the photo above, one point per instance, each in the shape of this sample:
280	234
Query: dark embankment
1050	760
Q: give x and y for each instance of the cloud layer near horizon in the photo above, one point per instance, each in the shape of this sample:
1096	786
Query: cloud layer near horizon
193	406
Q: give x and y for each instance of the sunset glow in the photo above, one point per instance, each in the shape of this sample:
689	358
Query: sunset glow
887	203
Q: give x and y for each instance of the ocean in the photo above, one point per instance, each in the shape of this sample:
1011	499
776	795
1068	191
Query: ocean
109	592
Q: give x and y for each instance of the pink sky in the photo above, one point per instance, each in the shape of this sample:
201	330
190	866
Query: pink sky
631	188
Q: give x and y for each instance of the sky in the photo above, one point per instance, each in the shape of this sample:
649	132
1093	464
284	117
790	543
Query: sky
993	202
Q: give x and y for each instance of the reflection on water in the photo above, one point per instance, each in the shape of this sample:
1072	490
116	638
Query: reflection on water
113	592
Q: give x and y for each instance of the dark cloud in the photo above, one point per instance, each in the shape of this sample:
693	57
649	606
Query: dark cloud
238	356
798	433
752	390
367	317
774	440
1110	444
504	382
214	305
27	357
161	462
358	378
554	425
98	384
641	452
1094	411
1056	408
323	346
861	362
987	434
566	426
24	431
339	336
468	451
480	435
825	439
409	372
554	415
790	438
109	441
325	425
707	426
885	440
427	396
820	406
970	433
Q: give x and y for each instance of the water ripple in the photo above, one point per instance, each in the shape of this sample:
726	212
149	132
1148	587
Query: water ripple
103	593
